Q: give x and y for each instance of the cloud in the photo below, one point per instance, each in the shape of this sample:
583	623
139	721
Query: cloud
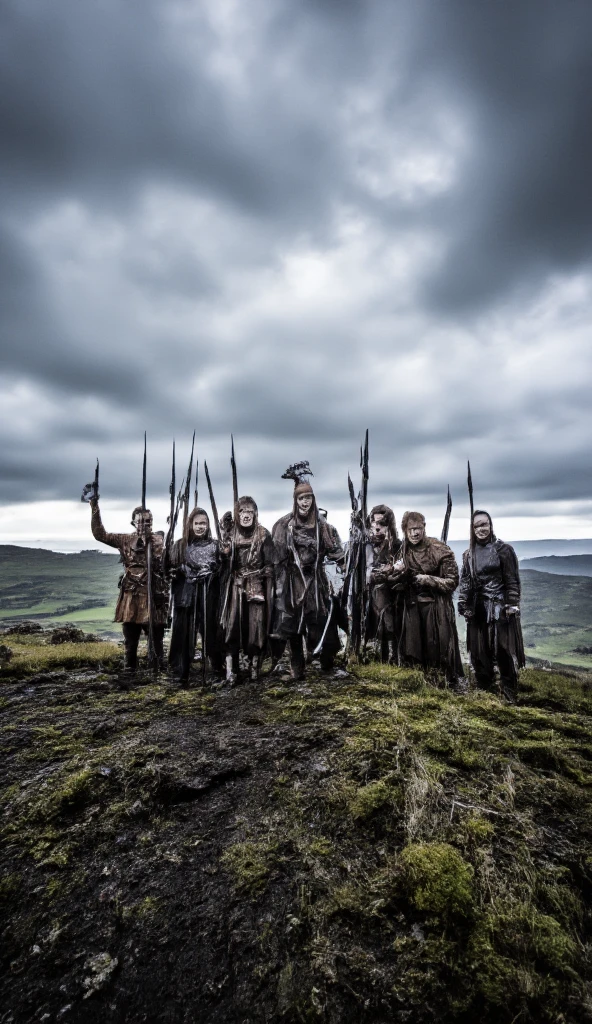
294	222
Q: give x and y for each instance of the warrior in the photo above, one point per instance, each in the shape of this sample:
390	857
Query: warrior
194	566
248	591
141	607
427	576
489	599
304	607
383	611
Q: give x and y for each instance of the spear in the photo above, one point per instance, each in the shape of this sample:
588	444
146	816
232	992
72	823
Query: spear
172	519
471	532
151	650
144	477
195	493
365	477
188	487
444	536
212	501
234	479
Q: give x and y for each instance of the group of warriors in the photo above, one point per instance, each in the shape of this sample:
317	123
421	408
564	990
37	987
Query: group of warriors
246	594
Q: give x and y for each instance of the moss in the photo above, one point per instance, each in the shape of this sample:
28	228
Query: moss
74	791
249	863
321	847
372	797
513	949
50	743
438	879
477	830
9	886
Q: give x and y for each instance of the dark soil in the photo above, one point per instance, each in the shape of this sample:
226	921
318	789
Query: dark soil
350	849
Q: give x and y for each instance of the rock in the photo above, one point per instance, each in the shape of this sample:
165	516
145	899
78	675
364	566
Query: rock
100	968
5	654
24	628
69	635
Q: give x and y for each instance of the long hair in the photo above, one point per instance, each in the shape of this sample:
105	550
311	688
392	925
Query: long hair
188	529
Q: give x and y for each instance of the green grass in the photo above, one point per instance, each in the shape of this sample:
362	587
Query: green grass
55	587
32	654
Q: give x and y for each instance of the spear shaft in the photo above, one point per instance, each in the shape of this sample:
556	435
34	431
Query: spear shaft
444	536
144	477
212	501
188	487
234	479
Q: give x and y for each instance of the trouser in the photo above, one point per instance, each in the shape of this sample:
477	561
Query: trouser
297	658
182	648
388	651
131	638
484	669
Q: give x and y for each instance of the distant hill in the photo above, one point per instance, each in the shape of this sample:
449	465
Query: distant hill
564	565
535	548
54	587
557	617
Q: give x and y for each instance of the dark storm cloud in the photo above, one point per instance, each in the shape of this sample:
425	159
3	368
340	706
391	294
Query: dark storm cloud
294	221
522	205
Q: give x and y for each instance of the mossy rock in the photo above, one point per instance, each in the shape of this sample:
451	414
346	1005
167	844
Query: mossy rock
438	879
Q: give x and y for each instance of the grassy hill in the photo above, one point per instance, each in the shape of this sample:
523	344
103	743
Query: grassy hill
564	565
55	587
557	617
358	848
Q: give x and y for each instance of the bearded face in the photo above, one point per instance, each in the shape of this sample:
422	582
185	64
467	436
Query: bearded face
143	523
246	516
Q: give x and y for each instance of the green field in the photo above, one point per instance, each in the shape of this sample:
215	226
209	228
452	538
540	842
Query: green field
55	587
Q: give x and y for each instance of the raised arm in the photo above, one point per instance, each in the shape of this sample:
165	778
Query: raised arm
114	540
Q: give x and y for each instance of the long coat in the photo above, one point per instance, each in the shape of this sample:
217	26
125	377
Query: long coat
247	590
132	605
302	589
429	635
486	589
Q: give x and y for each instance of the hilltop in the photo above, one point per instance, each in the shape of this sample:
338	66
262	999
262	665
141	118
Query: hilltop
564	565
363	847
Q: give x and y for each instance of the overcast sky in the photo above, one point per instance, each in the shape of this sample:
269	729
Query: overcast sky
295	220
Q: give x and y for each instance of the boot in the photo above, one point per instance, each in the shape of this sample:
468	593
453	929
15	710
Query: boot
255	668
297	659
231	673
